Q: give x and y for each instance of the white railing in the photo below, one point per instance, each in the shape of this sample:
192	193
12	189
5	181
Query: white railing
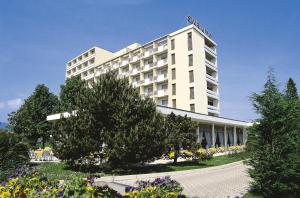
148	81
124	62
147	53
161	62
135	70
212	51
212	94
161	48
148	66
135	58
162	92
211	64
161	77
80	62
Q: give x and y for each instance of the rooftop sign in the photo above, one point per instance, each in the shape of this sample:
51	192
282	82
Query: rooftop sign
193	21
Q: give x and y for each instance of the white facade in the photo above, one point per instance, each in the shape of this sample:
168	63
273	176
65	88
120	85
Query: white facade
178	70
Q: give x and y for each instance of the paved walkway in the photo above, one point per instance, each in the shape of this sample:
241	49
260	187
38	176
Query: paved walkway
228	180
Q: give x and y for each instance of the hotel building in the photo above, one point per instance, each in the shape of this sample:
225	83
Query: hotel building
179	71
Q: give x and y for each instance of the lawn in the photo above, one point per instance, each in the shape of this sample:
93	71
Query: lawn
62	171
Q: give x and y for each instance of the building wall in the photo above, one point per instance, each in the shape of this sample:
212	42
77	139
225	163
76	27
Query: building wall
126	60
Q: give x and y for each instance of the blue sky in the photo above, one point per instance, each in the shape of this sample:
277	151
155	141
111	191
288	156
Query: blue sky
37	37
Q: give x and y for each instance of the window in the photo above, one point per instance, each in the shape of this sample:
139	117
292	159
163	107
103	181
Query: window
192	93
191	60
174	103
191	76
172	44
164	102
210	102
173	59
190	44
192	107
173	74
164	87
174	89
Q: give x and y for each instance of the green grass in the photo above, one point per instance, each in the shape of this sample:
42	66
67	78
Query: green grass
62	171
252	195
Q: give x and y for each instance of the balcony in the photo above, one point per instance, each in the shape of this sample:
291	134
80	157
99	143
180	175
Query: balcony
148	67
136	83
90	76
211	65
81	61
148	81
210	50
135	59
135	70
123	75
115	66
161	92
161	48
212	94
124	62
213	109
148	94
161	78
211	79
148	53
161	62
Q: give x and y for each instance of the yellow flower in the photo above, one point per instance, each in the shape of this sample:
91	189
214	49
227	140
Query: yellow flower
47	148
5	194
172	194
135	193
150	189
34	179
172	154
212	149
187	153
201	150
89	188
1	188
12	181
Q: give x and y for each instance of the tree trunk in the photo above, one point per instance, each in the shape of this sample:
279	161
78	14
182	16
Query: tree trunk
175	158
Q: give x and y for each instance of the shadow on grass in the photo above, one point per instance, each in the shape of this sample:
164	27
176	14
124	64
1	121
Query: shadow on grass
62	170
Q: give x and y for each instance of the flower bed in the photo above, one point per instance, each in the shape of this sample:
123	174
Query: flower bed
161	187
204	154
35	186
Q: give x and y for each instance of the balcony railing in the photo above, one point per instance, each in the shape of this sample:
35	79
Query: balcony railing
148	66
161	77
135	70
212	94
161	48
161	62
210	50
148	81
211	65
135	58
161	92
147	53
211	79
124	62
213	109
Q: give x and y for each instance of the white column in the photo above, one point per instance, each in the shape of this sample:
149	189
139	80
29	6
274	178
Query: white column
244	135
198	135
213	139
225	137
234	135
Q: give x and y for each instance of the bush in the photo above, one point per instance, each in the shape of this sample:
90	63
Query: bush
161	187
13	153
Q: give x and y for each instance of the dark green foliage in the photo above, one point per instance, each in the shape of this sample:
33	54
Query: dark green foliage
113	122
70	92
273	143
291	90
13	153
180	133
30	119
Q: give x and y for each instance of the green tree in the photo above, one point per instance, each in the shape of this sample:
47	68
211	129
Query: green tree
30	119
13	152
112	120
291	90
180	133
274	150
70	92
